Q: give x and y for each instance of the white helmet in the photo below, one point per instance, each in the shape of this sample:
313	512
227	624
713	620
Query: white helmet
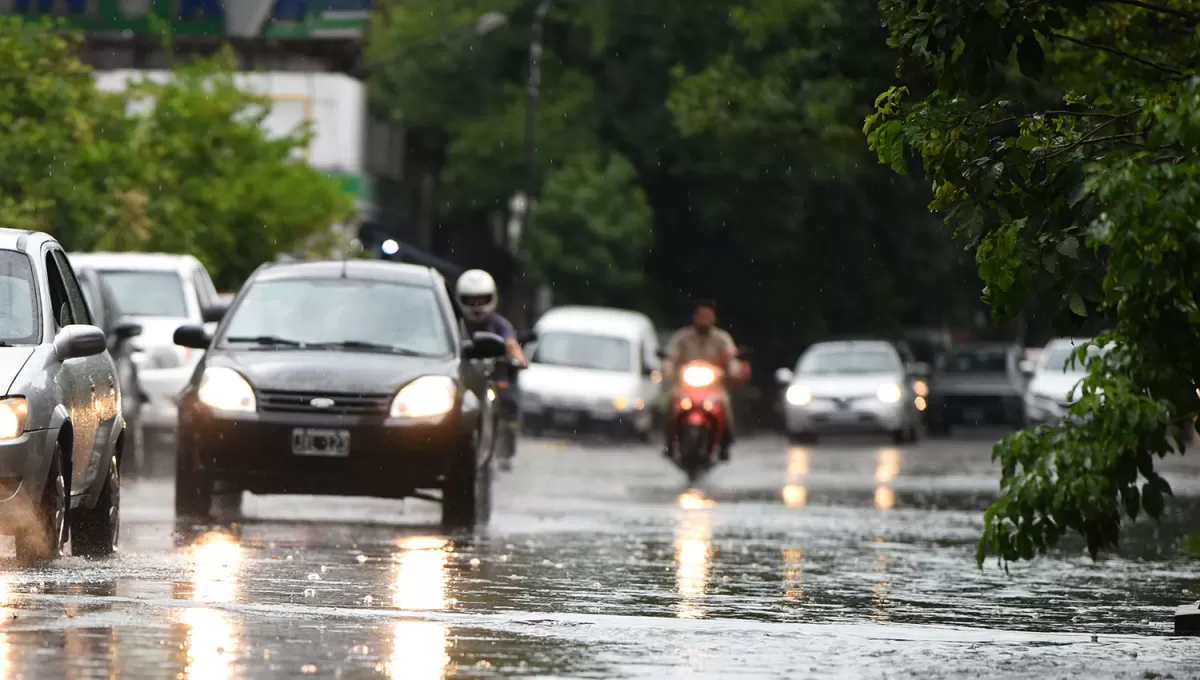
476	294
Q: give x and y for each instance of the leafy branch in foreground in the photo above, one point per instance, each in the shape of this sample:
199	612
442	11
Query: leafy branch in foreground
1068	162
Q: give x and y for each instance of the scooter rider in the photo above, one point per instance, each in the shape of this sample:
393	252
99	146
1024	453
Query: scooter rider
702	341
477	297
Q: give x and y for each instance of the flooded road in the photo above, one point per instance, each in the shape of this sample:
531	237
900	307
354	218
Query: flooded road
840	560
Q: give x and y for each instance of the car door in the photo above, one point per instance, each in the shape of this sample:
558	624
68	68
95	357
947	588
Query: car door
101	375
75	380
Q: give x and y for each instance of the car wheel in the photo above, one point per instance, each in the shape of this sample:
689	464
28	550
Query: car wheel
193	490
467	492
96	532
43	540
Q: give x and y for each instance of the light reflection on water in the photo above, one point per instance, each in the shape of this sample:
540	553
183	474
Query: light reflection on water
420	649
211	633
887	467
693	556
793	573
795	494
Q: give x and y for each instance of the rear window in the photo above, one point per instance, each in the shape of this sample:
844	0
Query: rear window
975	361
148	293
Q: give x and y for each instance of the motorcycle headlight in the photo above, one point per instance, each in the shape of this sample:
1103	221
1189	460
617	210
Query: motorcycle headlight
425	397
698	376
889	394
12	417
224	389
798	395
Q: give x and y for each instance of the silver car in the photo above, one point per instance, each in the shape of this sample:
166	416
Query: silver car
61	428
849	388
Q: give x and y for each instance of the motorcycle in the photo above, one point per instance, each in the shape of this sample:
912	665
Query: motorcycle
699	414
502	373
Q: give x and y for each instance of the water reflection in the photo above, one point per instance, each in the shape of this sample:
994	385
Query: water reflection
879	592
211	634
694	499
793	573
795	494
693	557
887	467
420	649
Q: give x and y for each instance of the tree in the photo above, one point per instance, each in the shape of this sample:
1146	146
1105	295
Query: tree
1060	139
196	173
738	117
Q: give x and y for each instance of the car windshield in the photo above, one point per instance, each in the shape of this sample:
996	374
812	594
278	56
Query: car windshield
841	361
352	314
1056	359
19	319
584	350
148	293
962	361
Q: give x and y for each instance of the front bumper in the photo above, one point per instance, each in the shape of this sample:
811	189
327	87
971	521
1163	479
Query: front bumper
865	415
24	466
387	458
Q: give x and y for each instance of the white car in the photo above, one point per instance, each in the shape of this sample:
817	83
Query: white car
850	388
160	293
1054	386
592	369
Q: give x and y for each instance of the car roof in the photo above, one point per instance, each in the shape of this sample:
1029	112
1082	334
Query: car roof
135	261
578	317
851	344
374	270
22	239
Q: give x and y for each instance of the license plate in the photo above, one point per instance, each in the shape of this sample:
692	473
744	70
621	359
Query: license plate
972	415
562	417
323	443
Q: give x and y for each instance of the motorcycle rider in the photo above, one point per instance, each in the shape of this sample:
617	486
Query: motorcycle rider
476	295
702	341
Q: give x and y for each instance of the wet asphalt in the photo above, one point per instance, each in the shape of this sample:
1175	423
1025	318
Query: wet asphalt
845	559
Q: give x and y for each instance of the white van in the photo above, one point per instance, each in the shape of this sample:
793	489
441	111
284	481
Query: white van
592	369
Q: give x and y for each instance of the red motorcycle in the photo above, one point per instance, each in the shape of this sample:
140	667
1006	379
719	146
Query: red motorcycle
699	413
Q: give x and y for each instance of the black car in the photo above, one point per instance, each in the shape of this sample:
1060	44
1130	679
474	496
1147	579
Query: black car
344	378
976	384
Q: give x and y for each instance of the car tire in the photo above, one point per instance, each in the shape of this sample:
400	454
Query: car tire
193	489
467	491
97	532
43	540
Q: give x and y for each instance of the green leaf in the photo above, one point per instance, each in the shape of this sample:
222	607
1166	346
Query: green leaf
1075	302
1069	247
1030	57
1152	500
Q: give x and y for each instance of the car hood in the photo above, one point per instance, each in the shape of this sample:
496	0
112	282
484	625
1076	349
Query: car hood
329	370
12	360
1057	386
564	381
847	385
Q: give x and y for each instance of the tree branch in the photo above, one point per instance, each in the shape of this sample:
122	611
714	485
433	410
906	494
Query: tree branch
1158	8
1119	53
1123	137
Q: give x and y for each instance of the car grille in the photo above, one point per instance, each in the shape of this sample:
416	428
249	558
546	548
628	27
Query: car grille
270	401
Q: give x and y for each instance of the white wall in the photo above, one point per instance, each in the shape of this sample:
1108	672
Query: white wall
335	104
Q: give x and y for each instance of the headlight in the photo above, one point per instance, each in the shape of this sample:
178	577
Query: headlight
425	397
921	388
12	417
889	394
224	389
620	403
698	376
798	395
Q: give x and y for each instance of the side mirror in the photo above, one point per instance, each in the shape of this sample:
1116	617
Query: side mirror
484	345
193	337
127	329
214	313
1026	367
784	376
526	336
76	341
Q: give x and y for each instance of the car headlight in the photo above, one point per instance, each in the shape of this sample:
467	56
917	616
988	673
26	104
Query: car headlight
698	376
224	389
921	388
889	394
12	417
620	402
798	395
425	397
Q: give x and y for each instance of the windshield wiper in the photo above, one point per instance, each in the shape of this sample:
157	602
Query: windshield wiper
369	347
269	340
